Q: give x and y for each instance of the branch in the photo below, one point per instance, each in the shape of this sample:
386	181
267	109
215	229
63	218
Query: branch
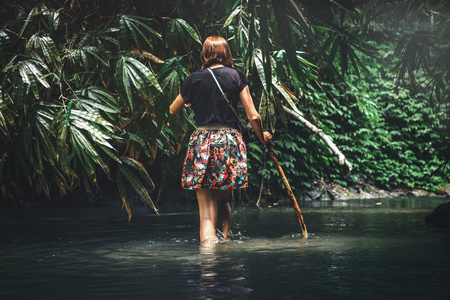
289	189
297	115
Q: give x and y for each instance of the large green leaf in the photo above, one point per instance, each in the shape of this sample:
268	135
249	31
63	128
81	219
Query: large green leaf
85	151
101	95
140	141
123	193
138	166
123	83
31	75
3	125
145	72
138	186
33	12
130	26
265	46
97	135
171	84
189	30
77	148
286	95
231	17
93	117
92	105
129	74
45	46
260	68
176	30
62	148
47	143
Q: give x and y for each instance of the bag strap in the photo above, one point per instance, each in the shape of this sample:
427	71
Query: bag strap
225	96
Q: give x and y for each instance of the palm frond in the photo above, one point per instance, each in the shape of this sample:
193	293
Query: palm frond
134	181
138	166
131	75
130	26
44	46
30	71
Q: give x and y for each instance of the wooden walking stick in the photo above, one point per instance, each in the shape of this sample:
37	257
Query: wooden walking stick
290	192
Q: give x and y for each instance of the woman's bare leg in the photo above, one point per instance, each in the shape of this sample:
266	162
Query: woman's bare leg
222	198
208	215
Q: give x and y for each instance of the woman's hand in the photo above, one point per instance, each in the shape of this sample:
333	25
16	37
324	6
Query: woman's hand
267	137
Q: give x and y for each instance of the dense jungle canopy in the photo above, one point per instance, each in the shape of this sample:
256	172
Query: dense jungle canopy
86	85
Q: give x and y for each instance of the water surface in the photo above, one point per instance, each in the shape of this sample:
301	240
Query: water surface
371	249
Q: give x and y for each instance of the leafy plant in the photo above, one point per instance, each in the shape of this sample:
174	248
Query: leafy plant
85	89
68	98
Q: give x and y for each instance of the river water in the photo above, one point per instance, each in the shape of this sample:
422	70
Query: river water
358	249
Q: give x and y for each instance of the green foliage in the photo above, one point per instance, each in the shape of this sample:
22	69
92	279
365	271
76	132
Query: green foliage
391	138
85	89
77	102
393	135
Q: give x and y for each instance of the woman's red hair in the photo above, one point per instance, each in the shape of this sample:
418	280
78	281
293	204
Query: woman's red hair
216	51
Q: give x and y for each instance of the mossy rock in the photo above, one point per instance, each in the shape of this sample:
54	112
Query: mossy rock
440	217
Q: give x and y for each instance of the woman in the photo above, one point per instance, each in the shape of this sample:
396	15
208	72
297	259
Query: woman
216	160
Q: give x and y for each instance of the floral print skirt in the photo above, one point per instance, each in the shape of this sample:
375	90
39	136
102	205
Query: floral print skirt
215	159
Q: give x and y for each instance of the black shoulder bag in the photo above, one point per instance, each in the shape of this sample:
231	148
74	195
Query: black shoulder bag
241	127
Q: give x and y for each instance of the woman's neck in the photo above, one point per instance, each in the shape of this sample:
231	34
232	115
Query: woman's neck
216	66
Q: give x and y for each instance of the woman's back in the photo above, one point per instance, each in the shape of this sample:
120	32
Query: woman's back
201	91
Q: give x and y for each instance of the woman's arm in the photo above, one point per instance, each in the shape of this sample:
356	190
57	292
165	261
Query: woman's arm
177	105
253	116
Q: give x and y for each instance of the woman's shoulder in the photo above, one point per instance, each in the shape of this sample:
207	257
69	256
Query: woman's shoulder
220	71
230	70
196	76
238	76
233	72
216	69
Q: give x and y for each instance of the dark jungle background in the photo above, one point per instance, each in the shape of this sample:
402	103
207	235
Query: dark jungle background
86	85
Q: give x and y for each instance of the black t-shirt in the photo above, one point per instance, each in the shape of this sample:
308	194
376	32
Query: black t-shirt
202	92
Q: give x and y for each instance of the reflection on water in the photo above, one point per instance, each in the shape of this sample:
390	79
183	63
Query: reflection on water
219	275
376	249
